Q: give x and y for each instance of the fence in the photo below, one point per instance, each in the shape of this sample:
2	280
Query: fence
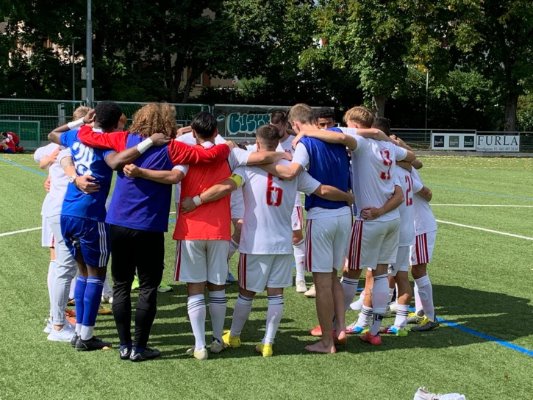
34	119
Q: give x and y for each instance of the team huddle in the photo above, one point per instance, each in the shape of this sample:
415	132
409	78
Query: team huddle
366	209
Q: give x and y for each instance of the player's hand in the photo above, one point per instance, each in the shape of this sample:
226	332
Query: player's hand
287	156
87	184
89	117
371	213
297	139
230	144
184	130
53	155
187	205
159	139
131	171
47	184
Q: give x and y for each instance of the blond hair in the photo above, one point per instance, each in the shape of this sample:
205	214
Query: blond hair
301	113
360	115
80	112
155	118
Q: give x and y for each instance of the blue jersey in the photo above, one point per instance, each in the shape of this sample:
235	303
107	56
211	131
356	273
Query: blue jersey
88	161
142	204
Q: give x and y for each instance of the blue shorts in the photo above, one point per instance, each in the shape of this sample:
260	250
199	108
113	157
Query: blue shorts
87	238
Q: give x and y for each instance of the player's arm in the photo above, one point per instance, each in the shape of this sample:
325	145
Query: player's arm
417	164
373	133
213	193
181	153
165	177
267	157
55	135
328	137
85	183
287	171
47	160
333	194
425	193
392	203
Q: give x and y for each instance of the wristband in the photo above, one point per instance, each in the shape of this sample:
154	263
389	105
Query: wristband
76	124
144	145
197	200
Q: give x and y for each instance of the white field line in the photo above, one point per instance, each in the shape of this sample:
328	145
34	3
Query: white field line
477	228
21	231
483	205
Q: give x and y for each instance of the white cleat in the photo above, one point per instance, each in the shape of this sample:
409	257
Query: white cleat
301	287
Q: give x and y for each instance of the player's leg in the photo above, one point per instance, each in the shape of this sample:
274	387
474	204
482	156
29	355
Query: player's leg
298	245
352	272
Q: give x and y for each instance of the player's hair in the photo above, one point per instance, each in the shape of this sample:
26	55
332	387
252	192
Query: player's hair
107	115
268	135
383	124
204	124
324	112
278	117
80	112
361	115
153	118
302	113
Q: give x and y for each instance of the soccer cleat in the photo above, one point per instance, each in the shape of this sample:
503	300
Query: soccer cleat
311	292
135	283
265	349
231	341
216	346
91	344
230	278
104	311
425	325
124	352
301	287
74	340
354	329
394	330
48	327
106	299
146	354
71	302
374	340
415	317
164	288
63	335
198	354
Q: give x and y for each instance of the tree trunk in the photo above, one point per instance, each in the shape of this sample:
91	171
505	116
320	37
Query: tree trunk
511	104
379	104
177	72
188	85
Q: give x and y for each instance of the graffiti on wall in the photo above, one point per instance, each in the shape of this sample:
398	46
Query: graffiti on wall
244	123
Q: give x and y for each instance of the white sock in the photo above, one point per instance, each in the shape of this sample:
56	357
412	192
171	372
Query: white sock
391	293
349	287
299	258
50	282
380	296
425	291
364	316
274	314
401	315
196	311
78	329
86	332
242	309
418	304
217	312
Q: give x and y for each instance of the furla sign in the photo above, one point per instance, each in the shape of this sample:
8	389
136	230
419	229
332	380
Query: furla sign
504	143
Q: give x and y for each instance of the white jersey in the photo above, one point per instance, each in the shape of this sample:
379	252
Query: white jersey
286	145
424	218
406	209
268	205
373	163
53	201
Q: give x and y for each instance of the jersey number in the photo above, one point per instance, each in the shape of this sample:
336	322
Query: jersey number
273	194
409	191
385	155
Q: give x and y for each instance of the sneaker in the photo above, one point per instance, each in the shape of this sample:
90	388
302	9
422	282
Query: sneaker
311	292
198	354
146	354
301	287
415	318
354	329
164	288
231	341
425	325
265	349
48	327
230	279
63	335
124	352
374	340
424	394
394	330
216	346
135	283
104	311
91	344
74	340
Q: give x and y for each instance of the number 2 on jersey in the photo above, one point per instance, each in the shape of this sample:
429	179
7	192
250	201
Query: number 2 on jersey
385	155
409	191
273	194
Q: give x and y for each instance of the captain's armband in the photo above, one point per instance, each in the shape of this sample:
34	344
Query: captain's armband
237	179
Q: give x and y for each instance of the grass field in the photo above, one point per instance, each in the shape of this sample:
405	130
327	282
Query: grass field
482	285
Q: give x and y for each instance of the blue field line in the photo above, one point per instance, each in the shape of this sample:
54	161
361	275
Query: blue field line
23	167
495	194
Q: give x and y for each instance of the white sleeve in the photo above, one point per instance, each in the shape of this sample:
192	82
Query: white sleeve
400	153
237	158
306	183
301	156
187	138
44	151
361	142
396	176
182	168
349	131
219	139
62	154
417	182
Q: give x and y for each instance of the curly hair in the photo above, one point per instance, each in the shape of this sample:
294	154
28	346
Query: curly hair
155	118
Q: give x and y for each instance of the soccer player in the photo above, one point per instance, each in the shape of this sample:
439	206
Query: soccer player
266	255
83	215
421	253
325	118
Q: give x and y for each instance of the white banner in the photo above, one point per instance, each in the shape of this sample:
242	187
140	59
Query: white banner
499	143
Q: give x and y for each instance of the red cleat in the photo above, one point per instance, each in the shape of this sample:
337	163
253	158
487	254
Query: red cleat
374	340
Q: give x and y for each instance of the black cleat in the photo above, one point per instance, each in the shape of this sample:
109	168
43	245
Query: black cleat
74	340
91	344
125	353
147	354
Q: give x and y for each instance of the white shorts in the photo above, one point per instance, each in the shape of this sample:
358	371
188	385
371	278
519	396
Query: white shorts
326	241
259	271
47	236
297	218
422	250
202	261
373	243
237	204
402	261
